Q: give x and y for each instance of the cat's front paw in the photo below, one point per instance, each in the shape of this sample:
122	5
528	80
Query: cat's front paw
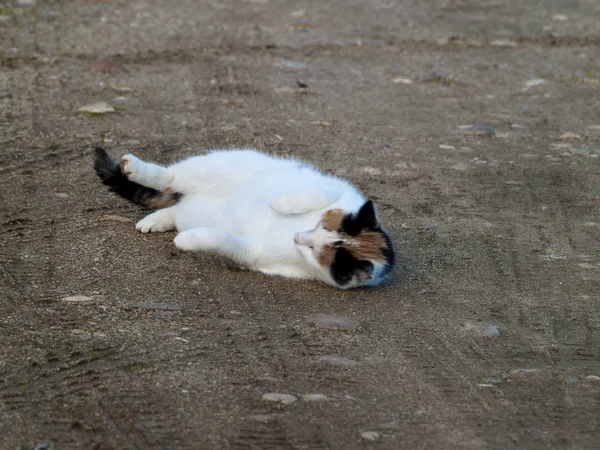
153	225
130	166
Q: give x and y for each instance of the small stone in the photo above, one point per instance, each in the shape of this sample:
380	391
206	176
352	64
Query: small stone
503	43
25	3
61	195
523	373
402	80
476	130
371	170
157	306
447	147
587	266
321	123
298	13
494	380
535	82
77	299
560	17
122	89
321	320
293	64
491	331
115	218
263	418
592	378
578	151
97	108
315	398
569	135
285	399
460	166
337	360
371	435
485	385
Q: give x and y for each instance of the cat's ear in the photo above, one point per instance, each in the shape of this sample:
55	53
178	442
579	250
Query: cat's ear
367	216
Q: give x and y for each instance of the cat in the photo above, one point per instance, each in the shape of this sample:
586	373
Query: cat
274	215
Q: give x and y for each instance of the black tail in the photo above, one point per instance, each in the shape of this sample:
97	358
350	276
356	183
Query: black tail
110	173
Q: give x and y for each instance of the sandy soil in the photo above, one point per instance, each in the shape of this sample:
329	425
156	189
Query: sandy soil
488	335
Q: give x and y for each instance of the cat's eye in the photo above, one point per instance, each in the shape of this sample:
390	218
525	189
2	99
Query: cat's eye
337	243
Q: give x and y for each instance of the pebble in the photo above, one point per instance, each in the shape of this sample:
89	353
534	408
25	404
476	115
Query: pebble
157	306
61	194
460	166
535	82
503	43
165	314
315	398
298	13
447	147
491	331
285	399
122	89
322	320
402	80
371	170
77	299
569	135
115	218
337	360
371	435
263	418
321	122
293	64
25	3
477	130
523	373
578	151
592	378
97	108
494	380
560	17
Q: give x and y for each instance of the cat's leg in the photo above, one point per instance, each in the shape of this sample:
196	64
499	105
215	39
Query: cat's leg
147	174
240	250
158	221
304	200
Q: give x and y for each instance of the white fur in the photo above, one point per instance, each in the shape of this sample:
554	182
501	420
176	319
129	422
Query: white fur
257	210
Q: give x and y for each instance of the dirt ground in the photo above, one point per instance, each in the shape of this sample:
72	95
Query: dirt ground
487	336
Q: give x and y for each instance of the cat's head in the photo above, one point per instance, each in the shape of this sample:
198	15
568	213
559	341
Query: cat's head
348	249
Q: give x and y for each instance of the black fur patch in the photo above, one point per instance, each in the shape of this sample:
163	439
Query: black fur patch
353	224
110	173
345	267
388	253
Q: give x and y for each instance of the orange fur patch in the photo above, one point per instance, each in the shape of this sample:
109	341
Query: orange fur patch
332	220
367	246
327	255
163	200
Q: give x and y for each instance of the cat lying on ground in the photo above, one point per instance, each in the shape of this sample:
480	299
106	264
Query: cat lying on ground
278	216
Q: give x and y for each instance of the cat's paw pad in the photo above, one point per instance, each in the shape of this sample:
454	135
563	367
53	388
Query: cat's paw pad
151	225
129	165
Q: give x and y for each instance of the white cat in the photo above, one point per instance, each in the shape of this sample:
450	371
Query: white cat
278	216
